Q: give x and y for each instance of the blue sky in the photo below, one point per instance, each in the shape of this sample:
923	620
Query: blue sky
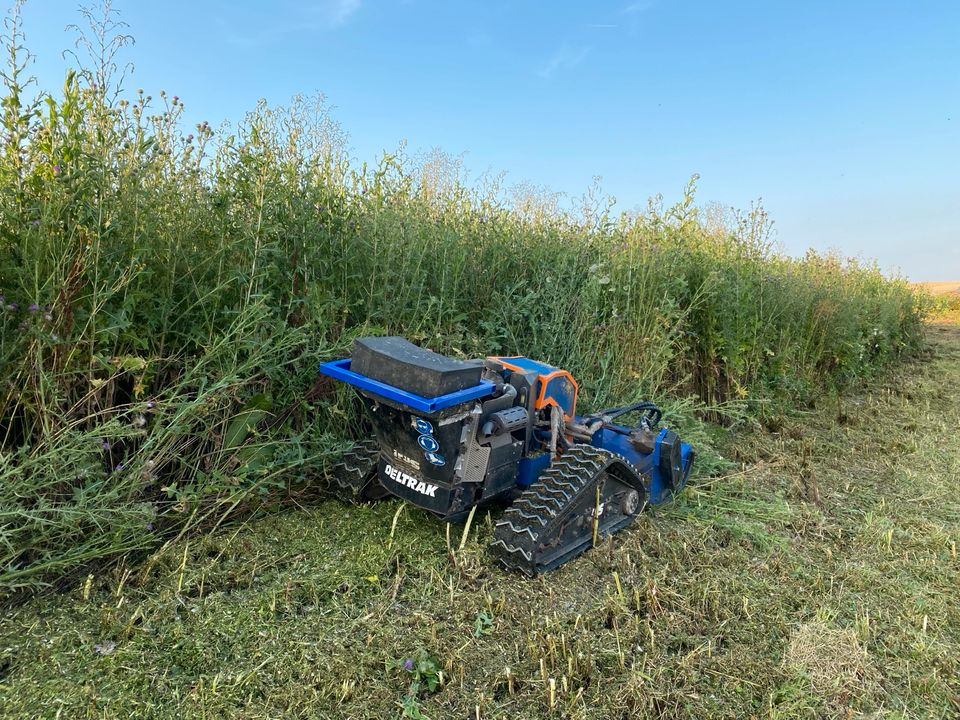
844	116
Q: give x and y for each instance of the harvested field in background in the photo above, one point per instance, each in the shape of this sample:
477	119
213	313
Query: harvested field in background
941	288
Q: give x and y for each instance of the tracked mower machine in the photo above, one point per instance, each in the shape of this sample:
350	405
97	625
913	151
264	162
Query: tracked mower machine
451	435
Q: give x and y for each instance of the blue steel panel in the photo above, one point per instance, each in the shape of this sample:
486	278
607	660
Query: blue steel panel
686	460
340	370
530	467
529	365
649	464
564	397
620	444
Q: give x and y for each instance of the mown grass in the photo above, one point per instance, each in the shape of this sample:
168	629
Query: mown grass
818	580
168	292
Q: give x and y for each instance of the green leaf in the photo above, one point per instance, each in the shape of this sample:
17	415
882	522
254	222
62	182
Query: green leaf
256	409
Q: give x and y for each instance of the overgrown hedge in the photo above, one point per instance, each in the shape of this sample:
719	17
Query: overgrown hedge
168	292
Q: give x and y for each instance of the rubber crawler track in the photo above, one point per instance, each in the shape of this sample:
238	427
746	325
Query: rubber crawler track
524	537
351	476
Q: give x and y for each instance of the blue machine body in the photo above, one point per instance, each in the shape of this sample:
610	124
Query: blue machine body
557	388
614	438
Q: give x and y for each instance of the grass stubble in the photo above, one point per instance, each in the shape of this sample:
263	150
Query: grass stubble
817	579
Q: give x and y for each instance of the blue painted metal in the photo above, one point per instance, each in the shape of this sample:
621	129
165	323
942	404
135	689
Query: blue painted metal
530	467
648	464
612	437
340	370
529	365
609	439
686	451
560	389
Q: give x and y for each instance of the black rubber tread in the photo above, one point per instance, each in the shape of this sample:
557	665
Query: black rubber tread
524	537
353	476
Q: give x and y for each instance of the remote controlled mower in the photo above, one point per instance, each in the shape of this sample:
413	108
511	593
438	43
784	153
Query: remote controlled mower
451	435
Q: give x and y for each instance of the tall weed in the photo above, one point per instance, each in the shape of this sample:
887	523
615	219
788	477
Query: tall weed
168	292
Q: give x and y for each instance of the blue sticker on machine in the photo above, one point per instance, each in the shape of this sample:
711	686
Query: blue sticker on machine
436	458
423	426
428	443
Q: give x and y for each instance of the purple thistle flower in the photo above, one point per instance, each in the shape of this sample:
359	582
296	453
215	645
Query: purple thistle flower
33	307
105	444
3	299
13	306
150	527
175	99
408	664
119	467
190	138
56	169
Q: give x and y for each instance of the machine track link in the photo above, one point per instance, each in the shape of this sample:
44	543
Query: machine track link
553	519
353	478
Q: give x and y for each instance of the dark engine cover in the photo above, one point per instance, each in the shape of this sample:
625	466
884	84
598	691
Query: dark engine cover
418	454
433	461
400	363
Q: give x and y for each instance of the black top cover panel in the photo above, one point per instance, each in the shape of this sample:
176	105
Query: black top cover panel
398	362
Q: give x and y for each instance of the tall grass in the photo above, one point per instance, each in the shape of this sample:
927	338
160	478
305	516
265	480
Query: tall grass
169	290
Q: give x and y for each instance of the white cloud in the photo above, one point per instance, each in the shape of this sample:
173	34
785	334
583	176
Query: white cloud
256	27
637	7
342	10
633	11
563	59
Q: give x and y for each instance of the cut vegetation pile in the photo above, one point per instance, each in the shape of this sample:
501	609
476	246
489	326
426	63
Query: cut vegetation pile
168	292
